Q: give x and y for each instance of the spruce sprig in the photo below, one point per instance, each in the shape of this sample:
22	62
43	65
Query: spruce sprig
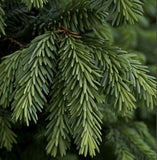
58	129
79	74
34	77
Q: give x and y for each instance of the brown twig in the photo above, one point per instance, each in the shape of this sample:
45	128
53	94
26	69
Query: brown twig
14	41
66	31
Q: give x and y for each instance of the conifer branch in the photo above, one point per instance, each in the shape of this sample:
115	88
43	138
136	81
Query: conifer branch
114	86
32	82
79	75
75	71
143	84
113	82
77	16
120	73
58	129
123	11
8	69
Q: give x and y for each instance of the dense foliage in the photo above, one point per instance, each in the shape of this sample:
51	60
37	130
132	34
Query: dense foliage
73	80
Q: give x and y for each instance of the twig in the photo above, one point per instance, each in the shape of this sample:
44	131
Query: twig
14	41
66	31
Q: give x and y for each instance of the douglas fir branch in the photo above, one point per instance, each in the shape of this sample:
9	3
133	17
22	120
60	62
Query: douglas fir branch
72	83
